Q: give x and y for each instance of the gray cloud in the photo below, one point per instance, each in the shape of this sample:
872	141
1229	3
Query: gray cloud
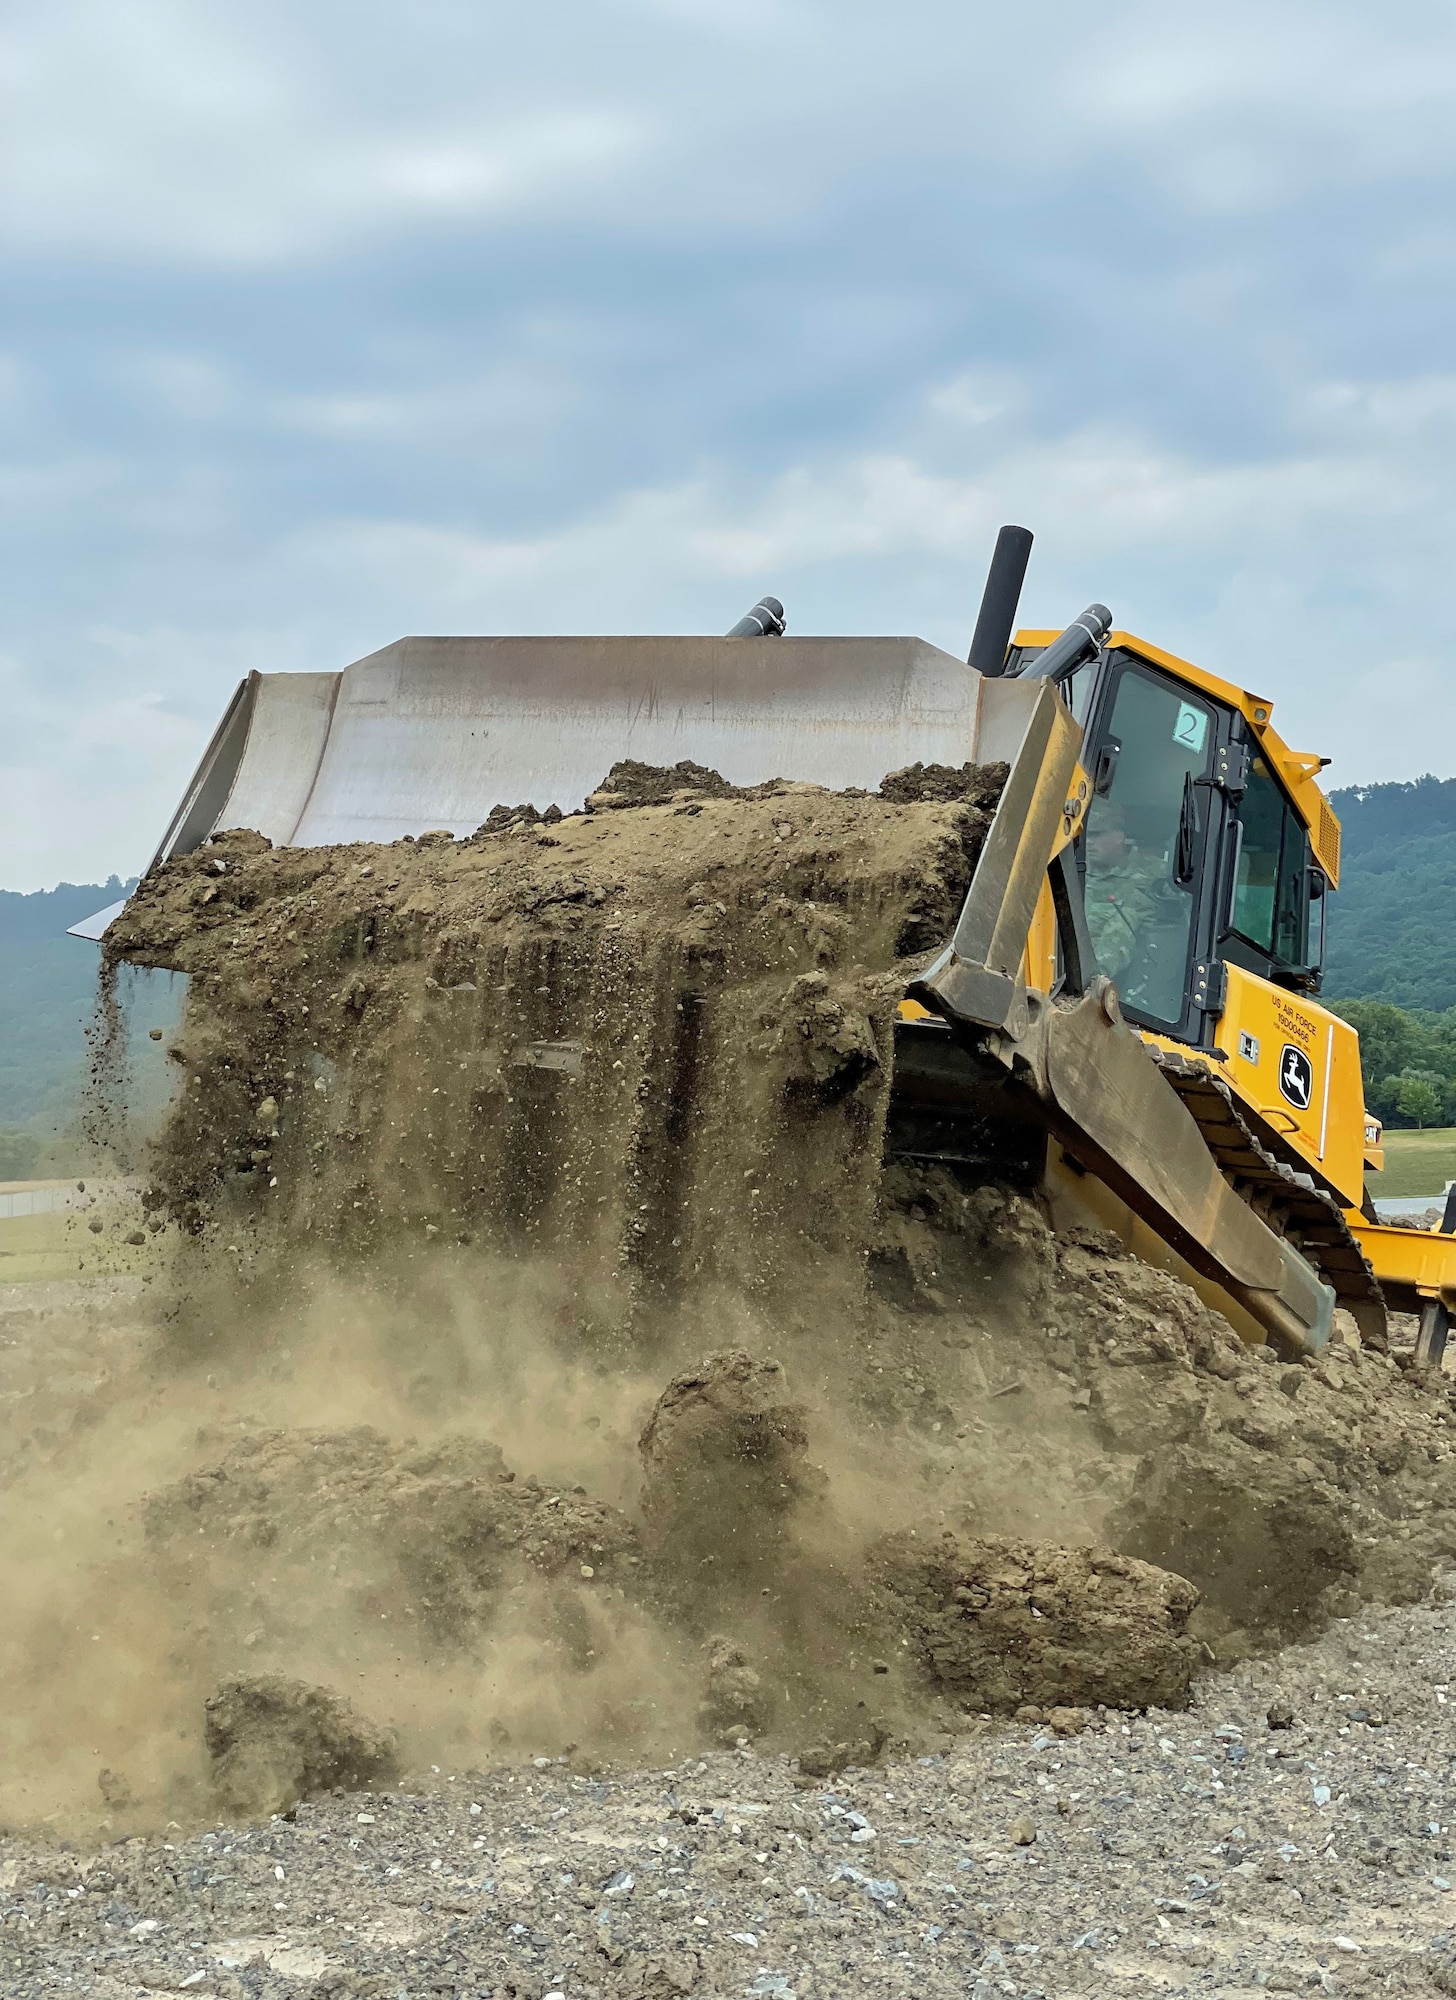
335	325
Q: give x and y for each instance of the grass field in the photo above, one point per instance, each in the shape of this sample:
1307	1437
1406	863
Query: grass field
1416	1163
61	1246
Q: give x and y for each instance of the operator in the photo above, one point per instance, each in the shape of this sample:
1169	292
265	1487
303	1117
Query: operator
1127	889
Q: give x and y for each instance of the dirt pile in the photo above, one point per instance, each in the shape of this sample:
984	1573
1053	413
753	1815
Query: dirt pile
274	1741
554	1367
1001	1624
655	1038
435	1535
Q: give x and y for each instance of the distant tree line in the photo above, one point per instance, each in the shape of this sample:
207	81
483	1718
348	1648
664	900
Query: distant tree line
19	1154
1392	944
1408	1060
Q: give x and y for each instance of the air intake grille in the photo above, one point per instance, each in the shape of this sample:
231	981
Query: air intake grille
1329	840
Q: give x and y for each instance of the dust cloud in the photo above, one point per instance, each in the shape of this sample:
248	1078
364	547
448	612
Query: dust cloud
541	1359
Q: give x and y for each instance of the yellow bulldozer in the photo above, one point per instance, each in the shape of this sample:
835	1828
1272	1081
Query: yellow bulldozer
1126	1015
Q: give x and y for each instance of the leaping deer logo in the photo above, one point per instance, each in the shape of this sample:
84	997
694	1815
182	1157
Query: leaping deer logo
1296	1076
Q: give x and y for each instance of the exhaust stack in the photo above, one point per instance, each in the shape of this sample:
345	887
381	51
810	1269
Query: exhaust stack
999	601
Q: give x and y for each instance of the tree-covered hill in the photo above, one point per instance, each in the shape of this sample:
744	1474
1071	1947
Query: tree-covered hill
1393	922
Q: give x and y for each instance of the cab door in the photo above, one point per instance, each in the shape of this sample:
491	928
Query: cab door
1151	842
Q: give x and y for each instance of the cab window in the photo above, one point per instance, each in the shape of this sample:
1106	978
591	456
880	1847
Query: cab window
1141	844
1271	881
1261	835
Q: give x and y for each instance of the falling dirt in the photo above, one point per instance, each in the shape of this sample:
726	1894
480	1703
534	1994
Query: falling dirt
550	1364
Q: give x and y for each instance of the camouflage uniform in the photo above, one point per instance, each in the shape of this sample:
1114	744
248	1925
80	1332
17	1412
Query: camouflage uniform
1122	903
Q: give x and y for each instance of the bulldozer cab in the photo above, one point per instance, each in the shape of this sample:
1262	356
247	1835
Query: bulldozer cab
1194	856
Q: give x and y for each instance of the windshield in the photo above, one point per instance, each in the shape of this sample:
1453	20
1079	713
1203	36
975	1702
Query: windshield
1139	912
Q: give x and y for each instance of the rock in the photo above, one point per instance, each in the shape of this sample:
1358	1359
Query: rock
1068	1721
1002	1623
274	1741
1022	1831
266	1118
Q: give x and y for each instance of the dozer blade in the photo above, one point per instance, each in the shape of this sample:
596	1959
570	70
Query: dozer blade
432	733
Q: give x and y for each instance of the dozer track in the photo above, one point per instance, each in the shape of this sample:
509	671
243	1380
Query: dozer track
1284	1197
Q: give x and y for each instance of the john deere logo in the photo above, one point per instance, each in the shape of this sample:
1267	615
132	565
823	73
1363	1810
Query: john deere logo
1296	1076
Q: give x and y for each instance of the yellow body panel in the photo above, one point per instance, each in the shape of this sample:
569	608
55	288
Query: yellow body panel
1422	1259
1039	965
1260	1023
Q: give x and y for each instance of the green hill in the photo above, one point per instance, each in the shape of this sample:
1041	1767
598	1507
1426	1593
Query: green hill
1393	921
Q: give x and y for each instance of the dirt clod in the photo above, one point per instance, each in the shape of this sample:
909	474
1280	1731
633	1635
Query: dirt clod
630	783
1263	1537
114	1789
735	1703
441	1531
998	1623
274	1741
724	1459
916	784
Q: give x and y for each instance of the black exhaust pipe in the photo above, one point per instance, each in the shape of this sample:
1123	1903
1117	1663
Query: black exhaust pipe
765	621
999	600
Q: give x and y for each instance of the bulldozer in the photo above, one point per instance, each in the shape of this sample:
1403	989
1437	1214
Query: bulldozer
1126	1015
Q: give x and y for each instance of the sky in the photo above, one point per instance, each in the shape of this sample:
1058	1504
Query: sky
329	323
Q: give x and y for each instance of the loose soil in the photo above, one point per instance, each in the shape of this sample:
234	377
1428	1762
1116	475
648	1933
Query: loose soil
549	1367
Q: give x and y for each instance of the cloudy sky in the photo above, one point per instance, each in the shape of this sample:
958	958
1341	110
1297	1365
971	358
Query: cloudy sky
330	322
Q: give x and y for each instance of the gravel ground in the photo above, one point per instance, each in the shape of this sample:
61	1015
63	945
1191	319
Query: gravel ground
1207	1852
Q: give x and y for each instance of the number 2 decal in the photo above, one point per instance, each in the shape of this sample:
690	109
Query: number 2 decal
1191	728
